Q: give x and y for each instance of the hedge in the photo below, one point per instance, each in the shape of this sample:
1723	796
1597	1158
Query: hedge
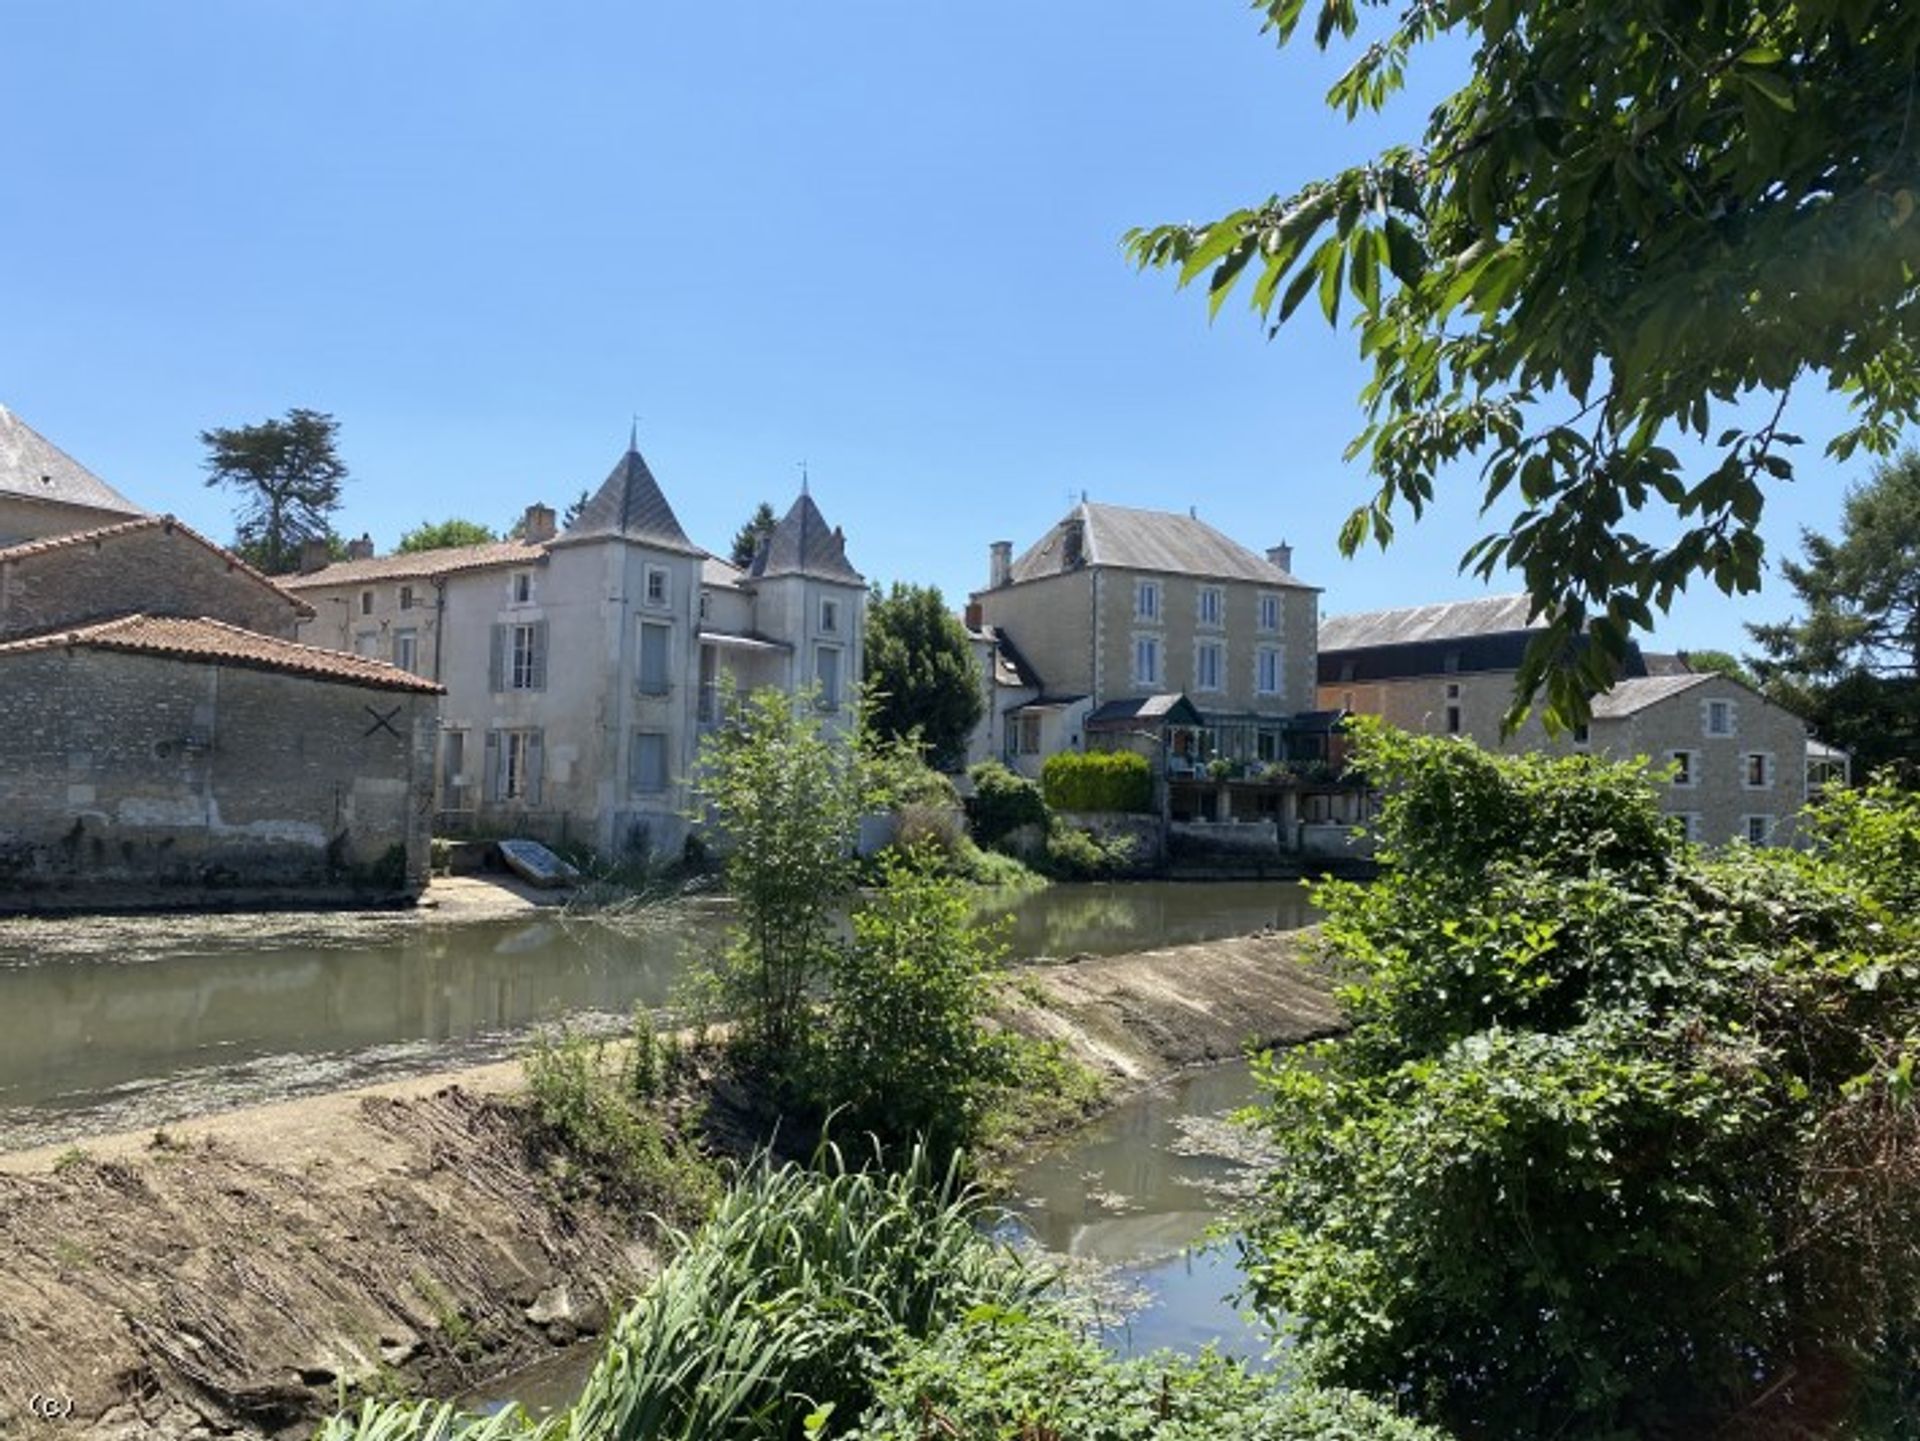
1098	781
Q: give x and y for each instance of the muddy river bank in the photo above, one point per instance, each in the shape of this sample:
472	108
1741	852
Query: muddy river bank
230	1279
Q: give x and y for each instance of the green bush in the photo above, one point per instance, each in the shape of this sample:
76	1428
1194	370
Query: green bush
1076	855
1098	781
1002	802
1623	1141
906	1054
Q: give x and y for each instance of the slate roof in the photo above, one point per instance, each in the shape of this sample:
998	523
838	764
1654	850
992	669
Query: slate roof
1666	663
630	504
419	564
103	535
804	544
1410	625
34	467
212	640
1150	540
1173	708
721	574
1629	697
1011	669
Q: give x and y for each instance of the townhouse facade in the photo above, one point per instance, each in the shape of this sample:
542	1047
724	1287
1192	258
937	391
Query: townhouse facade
1739	763
1114	605
583	666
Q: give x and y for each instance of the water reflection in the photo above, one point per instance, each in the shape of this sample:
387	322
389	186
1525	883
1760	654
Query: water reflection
124	1022
1130	1200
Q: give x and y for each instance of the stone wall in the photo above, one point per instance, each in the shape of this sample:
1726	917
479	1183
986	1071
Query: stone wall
159	570
134	780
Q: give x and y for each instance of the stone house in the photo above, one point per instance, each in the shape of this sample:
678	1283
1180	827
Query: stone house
1449	669
165	742
581	667
44	491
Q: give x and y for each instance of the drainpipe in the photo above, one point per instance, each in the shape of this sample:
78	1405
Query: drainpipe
439	621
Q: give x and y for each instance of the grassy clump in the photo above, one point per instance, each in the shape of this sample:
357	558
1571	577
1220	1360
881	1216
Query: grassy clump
600	1123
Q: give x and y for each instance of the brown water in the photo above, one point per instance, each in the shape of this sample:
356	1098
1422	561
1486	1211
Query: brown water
127	1022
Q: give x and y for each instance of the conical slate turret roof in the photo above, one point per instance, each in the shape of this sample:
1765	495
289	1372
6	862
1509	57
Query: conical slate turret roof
804	544
630	505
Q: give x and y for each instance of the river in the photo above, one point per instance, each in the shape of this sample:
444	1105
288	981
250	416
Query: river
121	1023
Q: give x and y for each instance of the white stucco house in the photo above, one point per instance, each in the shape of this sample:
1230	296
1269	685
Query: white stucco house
581	667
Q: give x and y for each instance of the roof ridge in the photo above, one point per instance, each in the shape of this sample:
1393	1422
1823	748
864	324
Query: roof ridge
168	522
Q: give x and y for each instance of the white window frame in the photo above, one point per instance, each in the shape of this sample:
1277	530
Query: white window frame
1766	781
1027	733
1711	708
516	763
1269	658
1689	762
1204	682
1146	600
523	661
409	638
1147	646
1210	607
1270	612
658	576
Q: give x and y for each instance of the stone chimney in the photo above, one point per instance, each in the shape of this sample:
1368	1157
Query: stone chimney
1000	564
361	549
539	525
1282	556
315	554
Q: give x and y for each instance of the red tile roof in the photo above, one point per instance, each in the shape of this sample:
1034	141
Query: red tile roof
419	564
46	544
223	644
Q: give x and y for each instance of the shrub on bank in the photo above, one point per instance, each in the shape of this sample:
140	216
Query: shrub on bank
1002	802
1098	781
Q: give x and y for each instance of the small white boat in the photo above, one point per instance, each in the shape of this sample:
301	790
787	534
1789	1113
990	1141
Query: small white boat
533	862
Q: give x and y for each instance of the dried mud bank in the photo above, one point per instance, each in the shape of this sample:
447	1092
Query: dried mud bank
229	1278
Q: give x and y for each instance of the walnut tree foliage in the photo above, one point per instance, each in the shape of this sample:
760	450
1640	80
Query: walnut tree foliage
1633	214
1624	1140
443	534
288	473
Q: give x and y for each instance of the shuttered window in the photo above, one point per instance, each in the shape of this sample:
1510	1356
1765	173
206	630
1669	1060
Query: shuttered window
519	659
515	759
649	769
655	646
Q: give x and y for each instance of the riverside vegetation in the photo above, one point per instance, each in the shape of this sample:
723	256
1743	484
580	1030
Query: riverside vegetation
1622	1143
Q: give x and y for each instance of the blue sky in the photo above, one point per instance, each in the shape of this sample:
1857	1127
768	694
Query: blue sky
879	237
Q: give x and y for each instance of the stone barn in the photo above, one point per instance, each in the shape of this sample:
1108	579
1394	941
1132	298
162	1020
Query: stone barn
183	761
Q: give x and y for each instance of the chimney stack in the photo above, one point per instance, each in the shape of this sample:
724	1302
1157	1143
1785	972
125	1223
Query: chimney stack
361	549
976	615
315	554
538	526
1000	567
1282	556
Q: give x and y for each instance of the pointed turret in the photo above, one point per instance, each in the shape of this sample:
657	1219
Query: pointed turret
630	505
804	544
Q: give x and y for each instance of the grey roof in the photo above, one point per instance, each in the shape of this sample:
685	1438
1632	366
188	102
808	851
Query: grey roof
33	466
1666	662
1629	697
1011	669
721	574
1151	540
630	504
1172	707
803	544
1448	620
